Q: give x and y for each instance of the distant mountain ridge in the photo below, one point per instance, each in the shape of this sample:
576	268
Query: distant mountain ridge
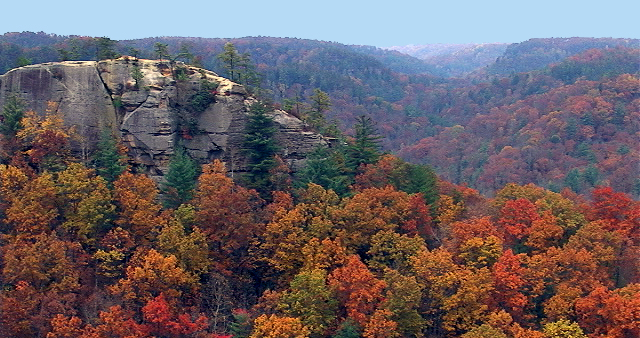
538	53
421	110
440	60
458	60
455	60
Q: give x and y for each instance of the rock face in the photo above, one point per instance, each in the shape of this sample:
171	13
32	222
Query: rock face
153	105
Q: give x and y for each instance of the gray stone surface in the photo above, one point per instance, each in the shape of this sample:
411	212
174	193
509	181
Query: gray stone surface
95	95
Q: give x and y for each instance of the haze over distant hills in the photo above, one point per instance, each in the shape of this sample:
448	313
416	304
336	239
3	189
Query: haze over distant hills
266	187
455	59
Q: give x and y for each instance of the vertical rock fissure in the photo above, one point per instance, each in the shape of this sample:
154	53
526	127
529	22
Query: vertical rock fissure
104	84
144	120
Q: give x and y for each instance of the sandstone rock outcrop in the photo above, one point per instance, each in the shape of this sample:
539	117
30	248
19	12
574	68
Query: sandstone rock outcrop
150	105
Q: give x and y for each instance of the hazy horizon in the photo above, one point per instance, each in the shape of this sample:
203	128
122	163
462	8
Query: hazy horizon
354	23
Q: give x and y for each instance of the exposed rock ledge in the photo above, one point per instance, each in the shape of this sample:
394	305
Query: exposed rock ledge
96	95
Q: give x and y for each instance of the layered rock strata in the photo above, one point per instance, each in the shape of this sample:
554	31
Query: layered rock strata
152	105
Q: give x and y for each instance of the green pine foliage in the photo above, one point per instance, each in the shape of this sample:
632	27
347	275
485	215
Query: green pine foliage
326	167
204	97
107	161
105	48
261	149
23	61
365	147
320	104
161	50
239	67
348	329
230	59
416	178
10	123
180	179
241	326
12	113
137	76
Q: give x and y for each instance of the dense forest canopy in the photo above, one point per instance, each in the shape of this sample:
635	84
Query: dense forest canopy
510	208
88	250
527	100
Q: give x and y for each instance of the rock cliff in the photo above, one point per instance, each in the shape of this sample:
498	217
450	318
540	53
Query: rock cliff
152	105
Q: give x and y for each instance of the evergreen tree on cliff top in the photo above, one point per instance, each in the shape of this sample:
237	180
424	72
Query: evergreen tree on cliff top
239	67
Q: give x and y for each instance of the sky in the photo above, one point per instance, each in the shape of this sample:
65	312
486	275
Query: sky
376	23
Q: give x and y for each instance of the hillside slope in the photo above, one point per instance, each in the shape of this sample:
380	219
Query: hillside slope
412	108
455	60
578	135
538	53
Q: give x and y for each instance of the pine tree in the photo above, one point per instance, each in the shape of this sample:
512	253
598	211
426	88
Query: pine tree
107	161
12	113
247	75
240	327
261	149
572	180
105	48
421	178
348	329
137	76
239	67
326	167
320	103
180	179
231	61
185	53
365	148
161	50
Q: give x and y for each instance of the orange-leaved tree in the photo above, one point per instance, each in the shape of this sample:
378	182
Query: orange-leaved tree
138	209
32	210
150	273
46	139
611	313
227	214
273	326
359	292
371	211
508	275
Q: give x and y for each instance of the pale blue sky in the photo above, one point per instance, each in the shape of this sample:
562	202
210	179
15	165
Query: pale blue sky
377	23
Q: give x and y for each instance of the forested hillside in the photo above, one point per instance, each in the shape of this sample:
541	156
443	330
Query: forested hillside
575	125
92	249
456	60
537	53
554	112
525	223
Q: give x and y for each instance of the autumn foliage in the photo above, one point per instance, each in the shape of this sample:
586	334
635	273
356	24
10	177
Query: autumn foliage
394	257
80	259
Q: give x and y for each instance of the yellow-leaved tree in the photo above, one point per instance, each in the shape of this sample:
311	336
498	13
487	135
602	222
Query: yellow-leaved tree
273	326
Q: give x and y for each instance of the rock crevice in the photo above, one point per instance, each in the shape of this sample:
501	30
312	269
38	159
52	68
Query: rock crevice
154	113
